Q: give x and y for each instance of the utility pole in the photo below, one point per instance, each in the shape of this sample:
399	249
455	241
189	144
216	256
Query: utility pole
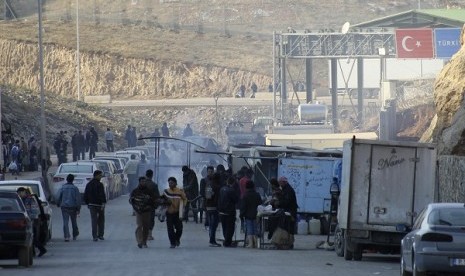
78	59
43	137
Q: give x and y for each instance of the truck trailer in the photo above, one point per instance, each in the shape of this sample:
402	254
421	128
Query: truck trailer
384	184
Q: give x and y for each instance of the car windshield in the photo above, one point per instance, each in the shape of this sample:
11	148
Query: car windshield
117	164
13	187
104	165
447	216
76	168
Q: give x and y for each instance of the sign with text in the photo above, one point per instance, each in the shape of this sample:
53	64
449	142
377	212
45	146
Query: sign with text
446	42
414	43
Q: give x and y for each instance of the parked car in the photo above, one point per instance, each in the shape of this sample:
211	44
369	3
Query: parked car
83	172
114	179
120	162
128	153
16	229
436	242
148	151
35	186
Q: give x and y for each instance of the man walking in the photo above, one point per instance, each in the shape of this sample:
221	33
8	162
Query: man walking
227	210
173	221
143	202
156	193
69	199
190	185
94	197
212	193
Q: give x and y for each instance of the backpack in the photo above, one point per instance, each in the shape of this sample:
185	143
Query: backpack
209	193
140	203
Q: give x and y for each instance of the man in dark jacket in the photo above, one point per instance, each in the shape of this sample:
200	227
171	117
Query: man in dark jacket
92	139
94	197
156	192
190	185
227	210
143	200
203	184
212	193
248	207
288	201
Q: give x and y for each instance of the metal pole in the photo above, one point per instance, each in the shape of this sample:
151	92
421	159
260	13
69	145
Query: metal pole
334	93
309	79
274	75
218	131
360	71
78	59
283	86
2	162
44	165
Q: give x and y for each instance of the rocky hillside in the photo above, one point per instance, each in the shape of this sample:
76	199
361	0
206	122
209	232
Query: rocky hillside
448	126
147	49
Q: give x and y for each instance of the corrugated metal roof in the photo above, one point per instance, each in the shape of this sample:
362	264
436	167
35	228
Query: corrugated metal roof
432	18
452	14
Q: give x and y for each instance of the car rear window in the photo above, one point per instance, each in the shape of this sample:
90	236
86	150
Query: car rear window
76	168
13	187
447	217
10	204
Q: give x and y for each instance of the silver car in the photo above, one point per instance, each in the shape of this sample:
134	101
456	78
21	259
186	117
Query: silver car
83	172
436	242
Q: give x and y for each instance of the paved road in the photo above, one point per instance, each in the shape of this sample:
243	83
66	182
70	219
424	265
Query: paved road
119	255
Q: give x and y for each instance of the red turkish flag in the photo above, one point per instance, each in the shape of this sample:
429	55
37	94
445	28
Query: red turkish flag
414	43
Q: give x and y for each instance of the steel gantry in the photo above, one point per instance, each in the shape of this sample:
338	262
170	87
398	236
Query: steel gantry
358	44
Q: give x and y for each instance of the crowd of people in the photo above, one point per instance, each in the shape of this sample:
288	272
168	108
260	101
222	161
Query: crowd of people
20	155
220	195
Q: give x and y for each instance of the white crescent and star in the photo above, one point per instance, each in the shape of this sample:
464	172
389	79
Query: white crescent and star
404	41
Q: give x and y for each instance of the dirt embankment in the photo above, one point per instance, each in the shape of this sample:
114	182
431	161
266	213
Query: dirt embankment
118	76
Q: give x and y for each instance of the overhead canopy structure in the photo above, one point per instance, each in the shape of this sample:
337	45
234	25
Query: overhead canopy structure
431	18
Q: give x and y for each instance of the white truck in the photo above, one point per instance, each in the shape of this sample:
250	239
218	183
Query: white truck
311	178
384	184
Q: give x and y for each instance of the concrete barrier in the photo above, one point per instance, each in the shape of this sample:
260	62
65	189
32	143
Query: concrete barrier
101	99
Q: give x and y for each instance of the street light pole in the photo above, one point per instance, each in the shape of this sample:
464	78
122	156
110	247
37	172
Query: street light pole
78	59
43	145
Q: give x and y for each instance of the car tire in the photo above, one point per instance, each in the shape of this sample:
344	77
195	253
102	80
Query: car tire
339	241
403	272
25	256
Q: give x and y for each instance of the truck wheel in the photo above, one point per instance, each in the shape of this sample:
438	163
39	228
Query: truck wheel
24	256
339	241
357	252
348	255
